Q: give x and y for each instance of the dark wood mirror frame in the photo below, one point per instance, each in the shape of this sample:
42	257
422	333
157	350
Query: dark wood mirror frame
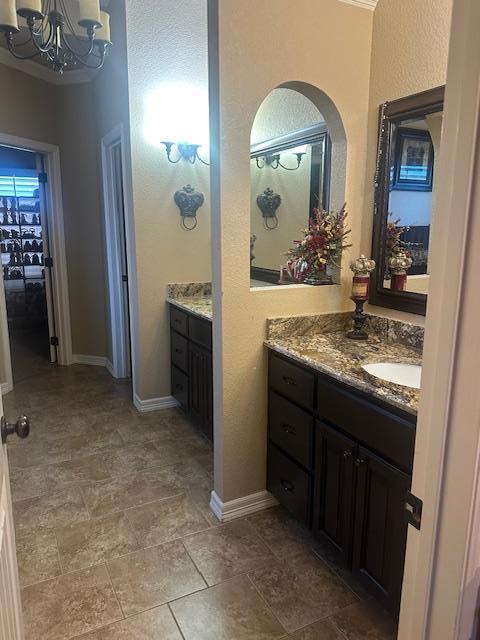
391	113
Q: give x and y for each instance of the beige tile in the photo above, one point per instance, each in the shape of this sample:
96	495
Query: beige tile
69	605
148	578
132	458
56	510
366	621
31	453
281	533
136	431
95	541
156	624
124	492
165	520
302	590
223	552
324	630
232	610
91	443
36	481
37	557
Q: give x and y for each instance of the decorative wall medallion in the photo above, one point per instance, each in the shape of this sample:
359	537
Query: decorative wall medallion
189	201
268	203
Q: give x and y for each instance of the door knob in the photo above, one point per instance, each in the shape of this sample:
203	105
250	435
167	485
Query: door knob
21	428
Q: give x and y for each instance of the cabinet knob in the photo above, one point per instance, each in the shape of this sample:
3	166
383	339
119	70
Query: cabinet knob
290	381
347	453
359	462
288	486
289	429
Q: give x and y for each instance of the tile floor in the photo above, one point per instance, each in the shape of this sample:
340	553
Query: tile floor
116	540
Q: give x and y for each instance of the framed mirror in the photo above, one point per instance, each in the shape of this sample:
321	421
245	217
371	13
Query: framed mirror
409	140
290	170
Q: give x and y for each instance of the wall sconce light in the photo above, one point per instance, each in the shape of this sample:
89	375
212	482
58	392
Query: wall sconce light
186	152
268	203
273	160
189	201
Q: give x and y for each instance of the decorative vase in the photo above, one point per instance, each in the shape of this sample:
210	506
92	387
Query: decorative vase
318	276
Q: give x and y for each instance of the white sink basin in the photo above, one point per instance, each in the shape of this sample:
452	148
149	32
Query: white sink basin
408	375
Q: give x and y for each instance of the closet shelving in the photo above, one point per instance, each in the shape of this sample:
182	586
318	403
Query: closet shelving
21	244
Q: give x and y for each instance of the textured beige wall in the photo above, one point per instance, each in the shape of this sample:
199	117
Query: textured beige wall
336	60
64	116
409	55
83	218
167	51
29	107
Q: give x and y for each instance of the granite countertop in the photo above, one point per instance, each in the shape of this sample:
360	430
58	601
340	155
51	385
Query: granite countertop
198	305
334	354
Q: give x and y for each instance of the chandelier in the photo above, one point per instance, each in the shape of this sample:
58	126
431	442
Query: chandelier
53	34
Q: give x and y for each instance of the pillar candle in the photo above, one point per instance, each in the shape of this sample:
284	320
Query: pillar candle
89	13
8	15
102	34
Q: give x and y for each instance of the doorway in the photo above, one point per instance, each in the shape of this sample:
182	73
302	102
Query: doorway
117	240
26	261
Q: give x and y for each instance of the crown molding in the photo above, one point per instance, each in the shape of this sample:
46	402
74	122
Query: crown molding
43	73
363	4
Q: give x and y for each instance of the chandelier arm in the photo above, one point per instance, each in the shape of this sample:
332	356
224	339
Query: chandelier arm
47	44
12	48
73	35
101	59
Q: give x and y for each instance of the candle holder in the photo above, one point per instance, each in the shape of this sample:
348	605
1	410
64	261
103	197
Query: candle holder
362	267
399	264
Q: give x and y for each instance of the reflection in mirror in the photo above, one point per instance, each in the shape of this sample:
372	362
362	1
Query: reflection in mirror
409	146
414	147
290	176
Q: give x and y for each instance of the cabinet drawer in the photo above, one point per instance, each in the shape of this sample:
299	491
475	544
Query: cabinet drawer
289	484
180	387
291	429
292	381
200	331
179	348
392	435
179	320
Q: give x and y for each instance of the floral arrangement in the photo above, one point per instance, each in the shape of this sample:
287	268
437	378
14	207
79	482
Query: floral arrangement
322	245
393	242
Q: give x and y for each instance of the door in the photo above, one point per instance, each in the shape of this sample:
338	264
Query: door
380	530
11	621
47	259
116	250
333	497
200	388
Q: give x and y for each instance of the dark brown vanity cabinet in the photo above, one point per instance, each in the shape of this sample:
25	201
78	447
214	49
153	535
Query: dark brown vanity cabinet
191	367
341	464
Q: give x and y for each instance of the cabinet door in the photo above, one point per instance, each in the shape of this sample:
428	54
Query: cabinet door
380	532
201	388
180	388
334	486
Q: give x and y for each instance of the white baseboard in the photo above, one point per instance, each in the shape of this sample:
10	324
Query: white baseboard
154	404
109	367
98	361
240	507
6	387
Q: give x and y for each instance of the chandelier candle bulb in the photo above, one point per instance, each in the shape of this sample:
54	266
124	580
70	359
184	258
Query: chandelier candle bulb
8	16
90	14
29	8
102	34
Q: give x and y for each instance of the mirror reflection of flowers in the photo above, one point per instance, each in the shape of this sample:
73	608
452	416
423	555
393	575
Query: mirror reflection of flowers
322	246
393	240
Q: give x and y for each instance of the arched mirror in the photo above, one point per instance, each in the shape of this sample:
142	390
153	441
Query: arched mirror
290	164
